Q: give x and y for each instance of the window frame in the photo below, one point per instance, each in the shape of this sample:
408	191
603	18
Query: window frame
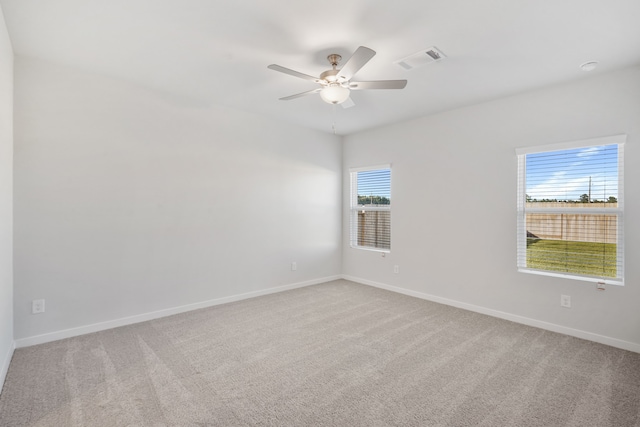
354	208
522	210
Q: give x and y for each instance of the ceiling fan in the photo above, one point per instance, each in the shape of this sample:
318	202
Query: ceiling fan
335	84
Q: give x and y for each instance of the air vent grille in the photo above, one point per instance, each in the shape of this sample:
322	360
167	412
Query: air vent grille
434	54
421	58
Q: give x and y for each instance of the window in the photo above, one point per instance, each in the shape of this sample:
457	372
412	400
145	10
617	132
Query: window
371	208
570	210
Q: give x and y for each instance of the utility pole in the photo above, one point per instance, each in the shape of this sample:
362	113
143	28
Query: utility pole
589	190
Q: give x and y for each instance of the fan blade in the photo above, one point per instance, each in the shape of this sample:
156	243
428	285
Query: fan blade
298	95
348	103
361	56
380	84
293	73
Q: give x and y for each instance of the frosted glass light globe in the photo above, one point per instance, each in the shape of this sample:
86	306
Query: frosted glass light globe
334	94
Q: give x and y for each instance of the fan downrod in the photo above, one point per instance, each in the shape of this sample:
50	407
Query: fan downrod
334	59
331	76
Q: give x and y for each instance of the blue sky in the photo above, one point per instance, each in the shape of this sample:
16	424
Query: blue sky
564	175
375	182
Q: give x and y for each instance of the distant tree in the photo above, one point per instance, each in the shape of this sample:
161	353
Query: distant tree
612	199
528	198
373	200
584	198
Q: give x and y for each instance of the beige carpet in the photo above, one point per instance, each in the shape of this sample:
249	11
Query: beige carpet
336	354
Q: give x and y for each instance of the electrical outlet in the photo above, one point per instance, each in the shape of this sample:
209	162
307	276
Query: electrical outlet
294	266
396	269
565	301
37	306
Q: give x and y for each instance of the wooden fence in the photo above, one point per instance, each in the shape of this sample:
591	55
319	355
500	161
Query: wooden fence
578	227
374	229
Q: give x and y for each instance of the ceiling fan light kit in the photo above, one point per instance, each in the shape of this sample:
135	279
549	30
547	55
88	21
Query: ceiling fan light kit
334	93
336	84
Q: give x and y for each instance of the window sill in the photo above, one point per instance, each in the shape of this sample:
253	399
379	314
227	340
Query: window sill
616	282
370	249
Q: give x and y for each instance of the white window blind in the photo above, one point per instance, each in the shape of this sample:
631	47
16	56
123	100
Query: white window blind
371	208
570	210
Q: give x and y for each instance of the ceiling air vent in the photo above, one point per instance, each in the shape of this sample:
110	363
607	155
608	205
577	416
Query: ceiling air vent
421	58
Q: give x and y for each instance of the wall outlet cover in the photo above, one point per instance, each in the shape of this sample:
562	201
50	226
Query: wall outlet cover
37	306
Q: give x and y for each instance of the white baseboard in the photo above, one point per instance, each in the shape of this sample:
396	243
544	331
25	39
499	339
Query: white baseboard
96	327
613	342
4	368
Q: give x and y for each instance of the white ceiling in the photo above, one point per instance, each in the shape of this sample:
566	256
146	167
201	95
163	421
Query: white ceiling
204	52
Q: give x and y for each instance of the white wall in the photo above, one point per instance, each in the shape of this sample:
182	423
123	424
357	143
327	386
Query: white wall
6	199
127	202
454	201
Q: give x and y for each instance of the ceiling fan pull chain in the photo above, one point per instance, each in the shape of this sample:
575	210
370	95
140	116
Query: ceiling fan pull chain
333	125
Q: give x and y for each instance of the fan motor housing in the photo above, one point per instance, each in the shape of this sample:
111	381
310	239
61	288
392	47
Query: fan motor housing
330	76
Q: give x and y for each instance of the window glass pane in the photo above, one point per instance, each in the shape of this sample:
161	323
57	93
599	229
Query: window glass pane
582	175
371	208
570	211
374	187
374	229
573	243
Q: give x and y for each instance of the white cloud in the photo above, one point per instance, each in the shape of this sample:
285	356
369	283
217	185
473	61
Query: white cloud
590	151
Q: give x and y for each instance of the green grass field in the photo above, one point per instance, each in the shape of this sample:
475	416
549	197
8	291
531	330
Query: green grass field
588	258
